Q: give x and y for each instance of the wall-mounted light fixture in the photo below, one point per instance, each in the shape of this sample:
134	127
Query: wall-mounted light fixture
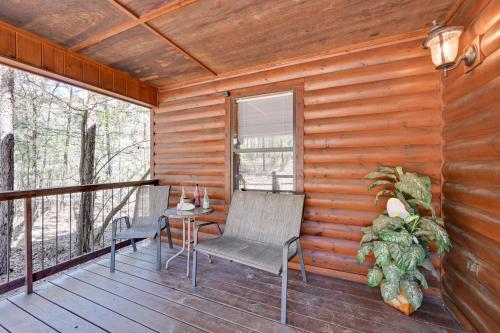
443	42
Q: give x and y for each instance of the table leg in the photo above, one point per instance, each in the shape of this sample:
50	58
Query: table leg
189	246
183	242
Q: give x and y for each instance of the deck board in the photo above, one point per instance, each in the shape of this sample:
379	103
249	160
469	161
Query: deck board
14	320
52	314
229	298
161	305
94	313
140	314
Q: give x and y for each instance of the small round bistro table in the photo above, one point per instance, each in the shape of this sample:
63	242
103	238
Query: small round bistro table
188	217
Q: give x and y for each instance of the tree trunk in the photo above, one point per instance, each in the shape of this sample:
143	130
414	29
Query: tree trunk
6	162
66	142
34	143
87	157
108	142
48	179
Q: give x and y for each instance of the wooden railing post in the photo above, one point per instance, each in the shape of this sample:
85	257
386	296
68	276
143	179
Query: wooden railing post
28	245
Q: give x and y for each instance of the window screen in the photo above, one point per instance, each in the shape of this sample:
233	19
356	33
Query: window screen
263	141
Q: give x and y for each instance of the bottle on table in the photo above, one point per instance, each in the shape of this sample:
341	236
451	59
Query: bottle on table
197	196
206	200
183	196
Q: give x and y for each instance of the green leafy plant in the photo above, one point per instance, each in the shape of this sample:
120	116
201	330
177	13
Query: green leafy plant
400	245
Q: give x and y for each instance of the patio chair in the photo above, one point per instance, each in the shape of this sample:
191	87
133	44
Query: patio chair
262	231
148	221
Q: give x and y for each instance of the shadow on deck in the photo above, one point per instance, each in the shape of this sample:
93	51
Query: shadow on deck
229	298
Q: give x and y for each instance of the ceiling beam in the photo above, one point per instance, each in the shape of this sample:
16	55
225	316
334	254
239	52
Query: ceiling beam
178	48
130	24
143	21
452	11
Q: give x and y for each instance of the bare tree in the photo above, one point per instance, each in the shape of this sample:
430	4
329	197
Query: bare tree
68	127
87	159
108	141
6	161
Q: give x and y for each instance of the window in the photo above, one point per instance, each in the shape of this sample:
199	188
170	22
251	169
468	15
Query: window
263	142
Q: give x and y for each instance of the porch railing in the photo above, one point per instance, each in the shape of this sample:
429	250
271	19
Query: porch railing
42	196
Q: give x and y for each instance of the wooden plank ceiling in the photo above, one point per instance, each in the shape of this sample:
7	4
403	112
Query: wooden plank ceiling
164	42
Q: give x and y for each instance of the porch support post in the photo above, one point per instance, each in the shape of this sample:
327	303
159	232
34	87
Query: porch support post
28	243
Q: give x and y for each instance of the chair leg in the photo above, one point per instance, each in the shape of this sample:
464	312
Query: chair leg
113	248
301	259
158	250
169	235
284	291
113	245
127	222
195	257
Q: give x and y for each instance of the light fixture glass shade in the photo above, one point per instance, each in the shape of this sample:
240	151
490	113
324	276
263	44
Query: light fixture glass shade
443	42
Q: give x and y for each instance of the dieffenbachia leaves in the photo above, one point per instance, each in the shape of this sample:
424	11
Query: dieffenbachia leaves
427	264
438	233
419	276
381	252
363	251
411	257
379	183
383	221
415	186
402	237
368	238
389	290
374	276
412	291
391	273
426	205
381	174
381	193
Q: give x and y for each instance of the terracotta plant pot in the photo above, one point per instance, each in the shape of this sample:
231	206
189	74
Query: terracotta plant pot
401	303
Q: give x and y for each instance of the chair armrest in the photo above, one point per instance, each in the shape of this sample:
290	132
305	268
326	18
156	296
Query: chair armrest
200	225
119	219
162	218
286	246
197	228
114	224
290	241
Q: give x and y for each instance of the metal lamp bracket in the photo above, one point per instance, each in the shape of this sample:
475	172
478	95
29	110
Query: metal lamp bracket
472	55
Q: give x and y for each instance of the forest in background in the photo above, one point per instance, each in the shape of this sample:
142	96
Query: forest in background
54	134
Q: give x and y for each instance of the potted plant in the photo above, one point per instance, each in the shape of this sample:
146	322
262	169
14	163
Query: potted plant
399	238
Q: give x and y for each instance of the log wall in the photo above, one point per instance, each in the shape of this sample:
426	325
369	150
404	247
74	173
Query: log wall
362	109
471	172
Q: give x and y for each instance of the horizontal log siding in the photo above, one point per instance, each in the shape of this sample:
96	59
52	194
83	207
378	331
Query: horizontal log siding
471	189
362	109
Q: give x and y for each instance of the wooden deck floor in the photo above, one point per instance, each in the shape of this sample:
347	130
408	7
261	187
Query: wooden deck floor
229	298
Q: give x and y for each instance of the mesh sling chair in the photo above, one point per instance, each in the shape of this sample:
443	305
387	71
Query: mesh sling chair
148	221
262	231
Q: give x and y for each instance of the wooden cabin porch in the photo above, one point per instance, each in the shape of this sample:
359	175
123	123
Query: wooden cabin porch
359	91
229	298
